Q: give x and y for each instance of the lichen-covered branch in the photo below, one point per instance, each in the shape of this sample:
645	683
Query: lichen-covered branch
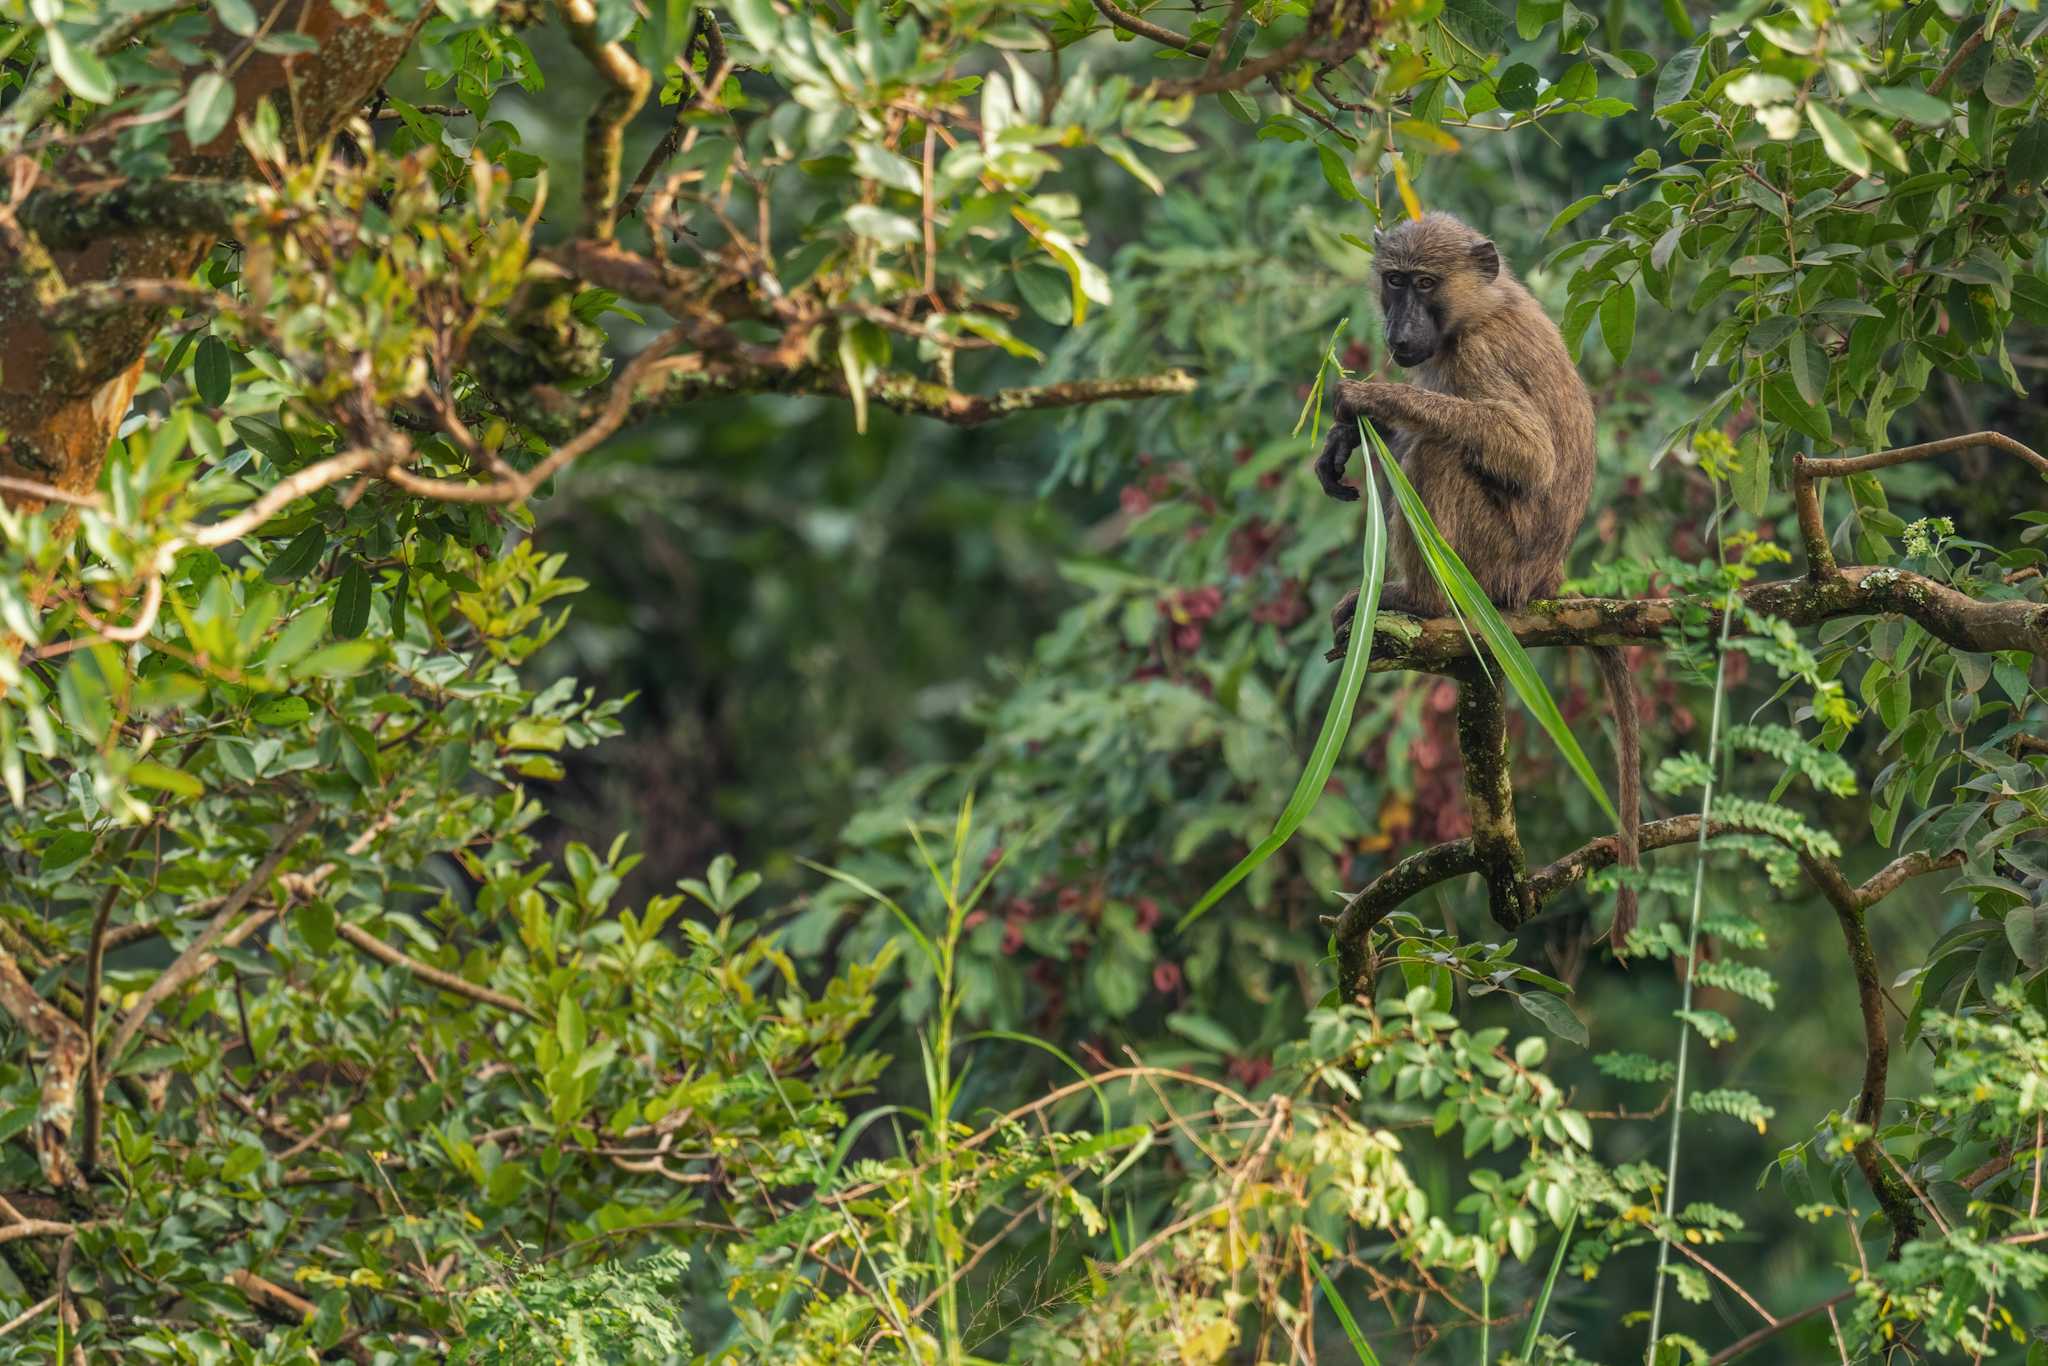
605	131
1490	798
1980	625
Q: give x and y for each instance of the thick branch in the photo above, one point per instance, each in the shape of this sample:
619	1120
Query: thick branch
1977	625
1490	798
67	1047
604	134
77	215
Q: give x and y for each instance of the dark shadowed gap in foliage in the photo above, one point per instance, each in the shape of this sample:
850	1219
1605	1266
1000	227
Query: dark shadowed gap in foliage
803	613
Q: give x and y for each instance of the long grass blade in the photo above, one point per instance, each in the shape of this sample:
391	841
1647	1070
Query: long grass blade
1471	602
1564	1241
1366	1356
1336	721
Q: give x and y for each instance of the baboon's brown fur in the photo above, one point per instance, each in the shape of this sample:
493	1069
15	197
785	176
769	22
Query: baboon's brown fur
1496	434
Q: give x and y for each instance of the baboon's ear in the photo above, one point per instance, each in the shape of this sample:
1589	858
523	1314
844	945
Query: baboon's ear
1377	234
1485	259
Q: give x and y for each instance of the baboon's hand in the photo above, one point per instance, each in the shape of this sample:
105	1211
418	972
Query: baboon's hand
1337	449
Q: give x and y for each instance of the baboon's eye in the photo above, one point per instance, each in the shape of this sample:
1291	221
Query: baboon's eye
1425	283
1397	279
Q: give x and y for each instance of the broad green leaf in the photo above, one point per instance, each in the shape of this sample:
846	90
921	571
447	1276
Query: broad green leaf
1516	87
297	559
2026	929
85	74
281	711
350	611
1554	1015
1836	134
177	781
209	104
1618	321
212	371
1675	81
2009	84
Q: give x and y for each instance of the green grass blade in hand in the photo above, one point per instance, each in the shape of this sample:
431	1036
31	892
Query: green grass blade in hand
1471	601
1336	721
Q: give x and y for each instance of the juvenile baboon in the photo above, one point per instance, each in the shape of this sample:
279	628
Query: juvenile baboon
1495	433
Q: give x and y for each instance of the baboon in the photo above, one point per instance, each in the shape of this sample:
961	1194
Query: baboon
1496	434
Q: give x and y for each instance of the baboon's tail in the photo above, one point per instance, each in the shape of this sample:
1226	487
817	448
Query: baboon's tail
1621	696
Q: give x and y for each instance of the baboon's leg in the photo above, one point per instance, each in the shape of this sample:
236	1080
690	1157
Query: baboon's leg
1490	797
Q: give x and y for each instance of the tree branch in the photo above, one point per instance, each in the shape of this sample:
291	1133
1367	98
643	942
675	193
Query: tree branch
1977	625
446	981
604	133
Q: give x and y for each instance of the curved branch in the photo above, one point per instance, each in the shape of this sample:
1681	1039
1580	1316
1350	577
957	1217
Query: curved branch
446	981
1441	862
1834	467
604	134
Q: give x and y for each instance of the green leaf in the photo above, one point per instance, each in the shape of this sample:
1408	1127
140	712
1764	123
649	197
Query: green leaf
1336	174
350	611
281	711
1676	80
1618	321
85	74
297	559
1911	104
1571	211
880	225
1754	89
1564	1242
1809	368
1204	1032
1750	481
246	1158
2009	84
2026	158
1554	1015
2026	929
209	104
1322	760
267	440
1045	290
212	370
1783	403
1844	148
67	849
340	660
163	778
1126	156
1516	87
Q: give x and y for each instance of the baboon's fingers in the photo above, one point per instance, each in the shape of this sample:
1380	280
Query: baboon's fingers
1337	448
1341	614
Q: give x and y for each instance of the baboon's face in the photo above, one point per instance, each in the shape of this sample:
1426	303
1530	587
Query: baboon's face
1436	274
1412	301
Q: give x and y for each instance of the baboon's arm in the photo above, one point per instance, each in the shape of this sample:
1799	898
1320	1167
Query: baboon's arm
1508	441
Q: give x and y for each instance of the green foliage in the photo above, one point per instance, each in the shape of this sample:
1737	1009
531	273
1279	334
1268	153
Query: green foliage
286	703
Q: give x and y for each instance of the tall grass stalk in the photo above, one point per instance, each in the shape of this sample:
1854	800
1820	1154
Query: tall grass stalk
1692	949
